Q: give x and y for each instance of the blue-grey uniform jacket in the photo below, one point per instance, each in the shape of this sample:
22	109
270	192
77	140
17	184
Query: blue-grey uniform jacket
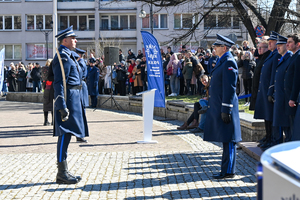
92	81
77	123
280	118
223	98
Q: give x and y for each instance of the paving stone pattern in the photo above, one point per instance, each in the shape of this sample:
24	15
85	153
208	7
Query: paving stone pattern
182	171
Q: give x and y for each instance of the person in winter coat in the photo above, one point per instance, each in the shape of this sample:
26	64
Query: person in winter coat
131	81
121	78
48	92
92	82
21	78
36	77
174	63
187	74
263	54
138	84
130	56
247	75
11	78
29	80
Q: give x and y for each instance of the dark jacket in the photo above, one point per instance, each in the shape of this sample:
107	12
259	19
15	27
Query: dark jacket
49	90
121	57
188	70
21	80
121	73
291	81
248	69
130	56
140	56
36	74
256	77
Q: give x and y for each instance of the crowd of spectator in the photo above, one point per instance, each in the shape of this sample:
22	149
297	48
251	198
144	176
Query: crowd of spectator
182	72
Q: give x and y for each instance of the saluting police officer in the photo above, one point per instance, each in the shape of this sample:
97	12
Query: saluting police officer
291	81
263	107
222	121
92	82
280	118
69	112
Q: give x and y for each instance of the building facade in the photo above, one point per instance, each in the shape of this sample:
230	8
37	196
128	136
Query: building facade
105	23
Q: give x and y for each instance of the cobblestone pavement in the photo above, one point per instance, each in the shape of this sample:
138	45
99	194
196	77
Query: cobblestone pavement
112	166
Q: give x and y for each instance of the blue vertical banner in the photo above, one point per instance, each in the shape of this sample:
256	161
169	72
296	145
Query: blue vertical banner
1	69
155	72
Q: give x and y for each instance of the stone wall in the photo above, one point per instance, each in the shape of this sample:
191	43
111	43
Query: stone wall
252	130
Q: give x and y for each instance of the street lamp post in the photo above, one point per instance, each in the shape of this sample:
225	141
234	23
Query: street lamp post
143	14
46	33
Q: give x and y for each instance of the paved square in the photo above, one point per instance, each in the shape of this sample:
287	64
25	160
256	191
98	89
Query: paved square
112	165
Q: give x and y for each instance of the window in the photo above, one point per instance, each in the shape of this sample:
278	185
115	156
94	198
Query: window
12	52
224	21
114	22
118	22
221	21
33	21
38	51
79	22
10	22
159	21
210	21
124	22
184	21
132	22
104	23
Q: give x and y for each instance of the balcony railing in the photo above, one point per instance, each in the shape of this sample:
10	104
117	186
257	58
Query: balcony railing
117	28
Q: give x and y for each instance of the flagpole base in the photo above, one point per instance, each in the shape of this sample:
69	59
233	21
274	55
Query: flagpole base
147	142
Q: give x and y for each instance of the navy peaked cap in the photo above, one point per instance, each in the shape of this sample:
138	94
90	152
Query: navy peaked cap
80	51
222	40
92	60
273	36
66	33
281	39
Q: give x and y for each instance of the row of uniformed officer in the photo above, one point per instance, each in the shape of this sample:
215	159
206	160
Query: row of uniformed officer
278	104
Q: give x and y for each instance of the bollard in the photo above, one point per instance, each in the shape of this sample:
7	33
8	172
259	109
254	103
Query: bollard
259	178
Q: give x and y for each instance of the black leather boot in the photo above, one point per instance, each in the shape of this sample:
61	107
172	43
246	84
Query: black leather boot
64	176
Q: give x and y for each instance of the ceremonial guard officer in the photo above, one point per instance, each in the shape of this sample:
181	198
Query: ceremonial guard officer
280	118
84	91
92	82
263	107
291	81
69	111
222	121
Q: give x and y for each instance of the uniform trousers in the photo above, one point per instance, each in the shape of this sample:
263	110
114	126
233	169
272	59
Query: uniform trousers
228	158
94	100
62	146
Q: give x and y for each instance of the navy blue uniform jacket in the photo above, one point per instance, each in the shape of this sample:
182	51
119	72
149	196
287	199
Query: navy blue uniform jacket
291	82
264	108
280	118
77	123
92	81
223	98
84	90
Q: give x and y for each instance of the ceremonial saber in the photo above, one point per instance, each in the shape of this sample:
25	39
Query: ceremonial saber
63	74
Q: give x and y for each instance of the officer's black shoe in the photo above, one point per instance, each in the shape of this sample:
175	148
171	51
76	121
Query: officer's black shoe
266	144
222	176
64	176
46	123
81	140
